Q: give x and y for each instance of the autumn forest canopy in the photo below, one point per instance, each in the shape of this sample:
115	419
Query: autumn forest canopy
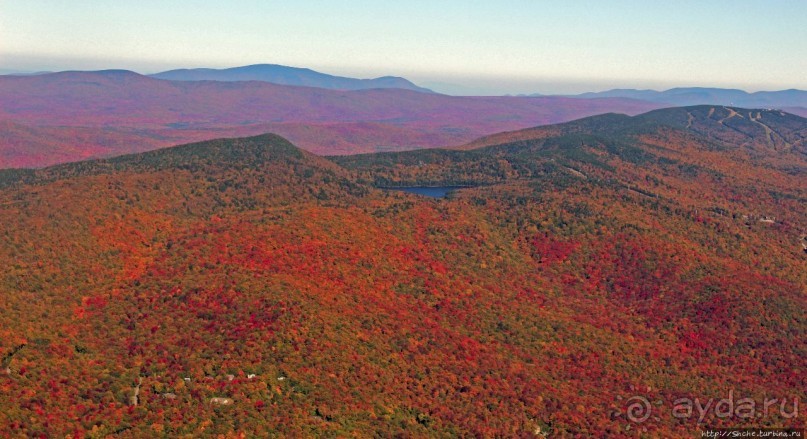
247	286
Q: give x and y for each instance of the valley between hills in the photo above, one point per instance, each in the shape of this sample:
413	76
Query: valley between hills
69	116
248	287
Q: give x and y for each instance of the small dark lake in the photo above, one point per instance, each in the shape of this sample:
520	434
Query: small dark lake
429	191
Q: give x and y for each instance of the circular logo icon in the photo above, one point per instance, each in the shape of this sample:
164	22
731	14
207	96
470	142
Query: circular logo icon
639	409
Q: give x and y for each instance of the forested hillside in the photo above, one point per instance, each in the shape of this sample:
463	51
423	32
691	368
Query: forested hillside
244	286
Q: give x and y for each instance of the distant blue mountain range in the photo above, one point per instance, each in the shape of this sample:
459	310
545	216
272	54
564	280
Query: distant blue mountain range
285	75
784	99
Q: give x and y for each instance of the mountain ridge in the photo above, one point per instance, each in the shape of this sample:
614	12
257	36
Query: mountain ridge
730	125
285	75
113	112
687	96
241	151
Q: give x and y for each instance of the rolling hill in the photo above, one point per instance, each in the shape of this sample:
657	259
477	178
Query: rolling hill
733	127
247	287
285	75
83	112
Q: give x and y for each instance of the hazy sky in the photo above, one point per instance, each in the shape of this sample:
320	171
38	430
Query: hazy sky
502	46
